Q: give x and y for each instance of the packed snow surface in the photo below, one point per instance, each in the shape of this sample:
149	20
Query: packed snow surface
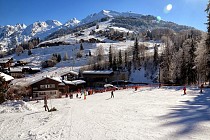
146	114
16	106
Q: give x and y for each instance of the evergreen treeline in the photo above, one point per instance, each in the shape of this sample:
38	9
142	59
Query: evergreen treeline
182	60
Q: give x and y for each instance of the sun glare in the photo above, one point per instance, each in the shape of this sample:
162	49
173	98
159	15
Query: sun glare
169	7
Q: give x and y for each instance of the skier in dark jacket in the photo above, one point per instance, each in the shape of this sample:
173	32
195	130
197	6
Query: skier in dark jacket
112	94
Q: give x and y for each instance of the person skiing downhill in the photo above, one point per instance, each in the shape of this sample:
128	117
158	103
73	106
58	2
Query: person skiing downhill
112	94
184	89
201	91
85	94
136	88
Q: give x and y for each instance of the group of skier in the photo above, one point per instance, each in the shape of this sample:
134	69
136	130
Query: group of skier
201	89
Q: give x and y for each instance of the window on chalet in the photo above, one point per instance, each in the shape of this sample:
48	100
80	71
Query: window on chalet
53	92
47	86
42	93
35	88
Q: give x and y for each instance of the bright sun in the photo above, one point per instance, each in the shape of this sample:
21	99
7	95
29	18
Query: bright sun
169	7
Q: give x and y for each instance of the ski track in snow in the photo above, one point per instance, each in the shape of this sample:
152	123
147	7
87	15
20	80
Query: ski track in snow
141	114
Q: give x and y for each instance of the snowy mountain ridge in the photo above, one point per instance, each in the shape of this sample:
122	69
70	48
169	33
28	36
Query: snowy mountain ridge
11	35
6	31
41	29
109	14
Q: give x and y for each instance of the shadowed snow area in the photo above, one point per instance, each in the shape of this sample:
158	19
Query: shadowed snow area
146	114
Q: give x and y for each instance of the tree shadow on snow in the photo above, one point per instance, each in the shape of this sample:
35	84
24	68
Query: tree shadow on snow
176	88
189	115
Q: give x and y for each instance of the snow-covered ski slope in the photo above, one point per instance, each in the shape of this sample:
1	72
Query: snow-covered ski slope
145	114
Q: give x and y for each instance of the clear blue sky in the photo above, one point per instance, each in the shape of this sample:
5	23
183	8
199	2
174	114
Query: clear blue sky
185	12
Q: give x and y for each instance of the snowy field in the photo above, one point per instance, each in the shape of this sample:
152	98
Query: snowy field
145	114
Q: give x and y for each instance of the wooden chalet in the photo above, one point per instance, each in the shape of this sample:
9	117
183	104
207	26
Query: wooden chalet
70	75
7	79
16	72
97	78
29	70
34	70
53	87
46	86
6	62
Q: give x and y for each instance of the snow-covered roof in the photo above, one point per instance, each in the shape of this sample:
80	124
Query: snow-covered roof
74	82
68	82
4	61
15	69
35	68
6	77
71	72
56	79
26	67
98	72
61	84
44	77
108	85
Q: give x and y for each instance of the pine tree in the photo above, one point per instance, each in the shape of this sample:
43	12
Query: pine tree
59	58
97	26
200	60
129	67
120	58
114	63
208	40
126	59
183	71
2	90
166	61
30	45
110	56
29	52
155	56
100	54
136	51
142	50
81	47
192	74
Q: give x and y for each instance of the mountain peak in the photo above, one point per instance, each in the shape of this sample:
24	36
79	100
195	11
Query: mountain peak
20	26
53	22
100	15
110	13
72	22
107	13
